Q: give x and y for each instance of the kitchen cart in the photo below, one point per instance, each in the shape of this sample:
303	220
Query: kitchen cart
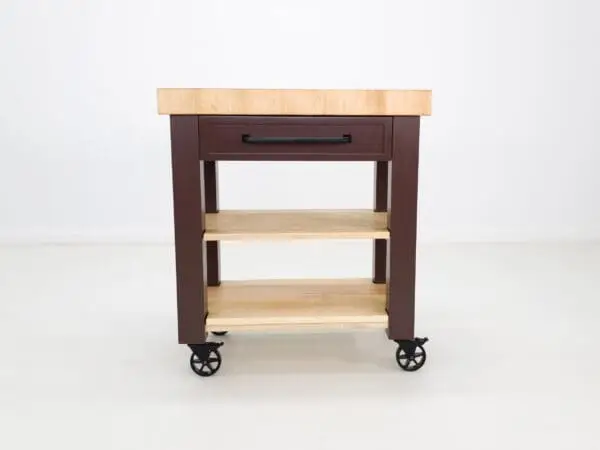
211	125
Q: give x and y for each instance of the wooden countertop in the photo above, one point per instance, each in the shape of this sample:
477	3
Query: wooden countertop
296	102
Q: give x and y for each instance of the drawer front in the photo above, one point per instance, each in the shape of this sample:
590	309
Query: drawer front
295	138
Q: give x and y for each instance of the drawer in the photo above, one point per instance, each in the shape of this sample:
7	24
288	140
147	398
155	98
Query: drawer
295	138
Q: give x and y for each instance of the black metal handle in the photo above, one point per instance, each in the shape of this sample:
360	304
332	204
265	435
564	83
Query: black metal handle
344	139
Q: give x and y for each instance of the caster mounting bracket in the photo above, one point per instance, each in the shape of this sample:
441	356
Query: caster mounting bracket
409	346
202	350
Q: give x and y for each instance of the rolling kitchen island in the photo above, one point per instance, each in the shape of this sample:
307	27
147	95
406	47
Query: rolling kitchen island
211	125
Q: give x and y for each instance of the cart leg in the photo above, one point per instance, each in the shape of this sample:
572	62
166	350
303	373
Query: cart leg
402	223
380	205
188	205
211	197
213	262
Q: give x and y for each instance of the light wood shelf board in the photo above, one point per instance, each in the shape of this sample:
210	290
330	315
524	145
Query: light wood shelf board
309	102
300	304
308	327
298	224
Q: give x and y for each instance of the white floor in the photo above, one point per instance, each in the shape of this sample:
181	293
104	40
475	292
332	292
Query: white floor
89	360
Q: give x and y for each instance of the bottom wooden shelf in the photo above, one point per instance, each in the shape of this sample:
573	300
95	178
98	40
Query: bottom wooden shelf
287	304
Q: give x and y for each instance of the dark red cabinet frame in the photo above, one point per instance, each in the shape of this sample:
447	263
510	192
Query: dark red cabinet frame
195	193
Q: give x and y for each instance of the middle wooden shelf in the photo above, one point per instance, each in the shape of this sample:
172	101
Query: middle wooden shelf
296	224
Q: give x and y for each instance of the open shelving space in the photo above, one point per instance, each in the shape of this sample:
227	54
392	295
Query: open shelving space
278	304
296	224
284	304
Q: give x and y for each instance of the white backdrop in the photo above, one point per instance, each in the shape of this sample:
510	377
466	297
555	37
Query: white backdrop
511	152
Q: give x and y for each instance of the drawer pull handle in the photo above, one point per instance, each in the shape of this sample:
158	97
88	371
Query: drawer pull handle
345	139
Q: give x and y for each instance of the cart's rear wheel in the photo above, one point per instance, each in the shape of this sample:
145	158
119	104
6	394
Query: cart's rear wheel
206	365
219	333
411	355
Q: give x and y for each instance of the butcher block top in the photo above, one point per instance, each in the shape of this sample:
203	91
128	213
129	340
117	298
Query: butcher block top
294	102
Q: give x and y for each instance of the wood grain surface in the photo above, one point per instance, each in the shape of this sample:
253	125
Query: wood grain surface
300	224
175	101
264	305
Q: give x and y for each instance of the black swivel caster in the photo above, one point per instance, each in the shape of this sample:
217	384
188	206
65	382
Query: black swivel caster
205	360
219	333
411	355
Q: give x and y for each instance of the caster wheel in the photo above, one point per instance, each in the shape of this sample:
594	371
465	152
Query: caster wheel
411	355
219	333
207	364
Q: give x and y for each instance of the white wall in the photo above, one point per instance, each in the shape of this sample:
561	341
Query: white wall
511	152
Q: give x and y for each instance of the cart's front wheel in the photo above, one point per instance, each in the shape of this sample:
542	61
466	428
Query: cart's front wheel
219	333
411	355
207	364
